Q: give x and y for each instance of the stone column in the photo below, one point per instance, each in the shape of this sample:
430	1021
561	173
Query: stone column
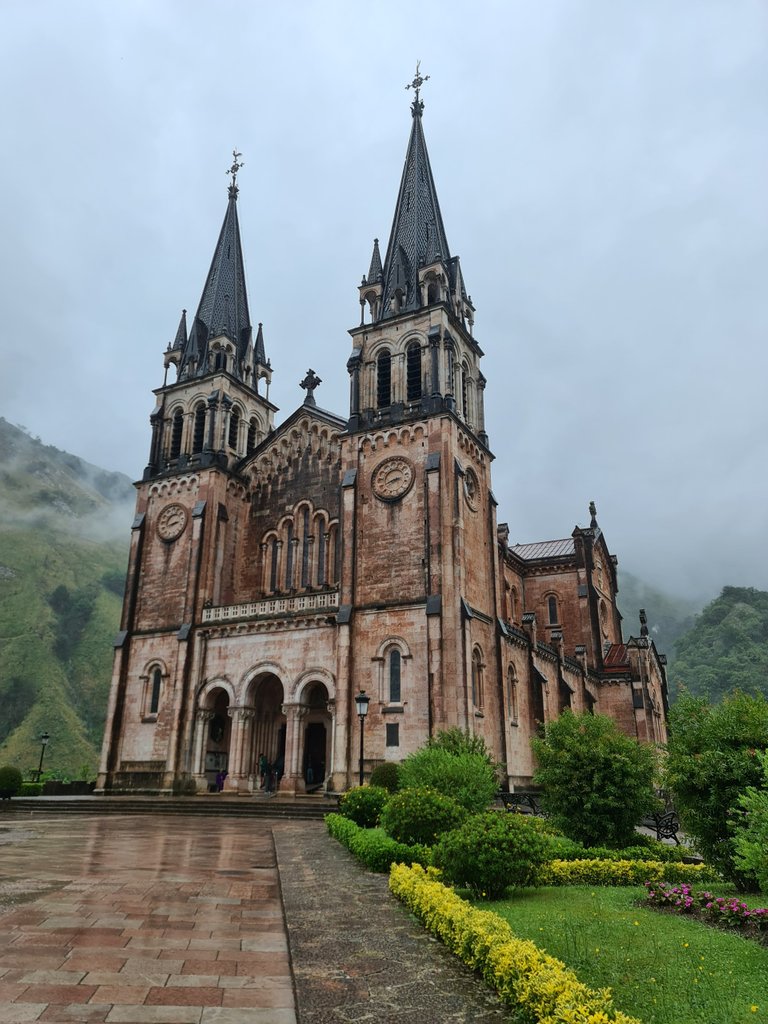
241	757
293	778
203	717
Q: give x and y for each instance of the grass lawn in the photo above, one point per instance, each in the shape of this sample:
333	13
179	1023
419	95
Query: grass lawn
662	968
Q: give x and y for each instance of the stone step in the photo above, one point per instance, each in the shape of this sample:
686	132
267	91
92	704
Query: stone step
215	805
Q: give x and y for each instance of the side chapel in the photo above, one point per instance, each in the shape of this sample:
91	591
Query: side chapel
275	571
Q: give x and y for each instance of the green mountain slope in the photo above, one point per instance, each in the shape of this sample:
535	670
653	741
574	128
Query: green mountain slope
63	549
727	647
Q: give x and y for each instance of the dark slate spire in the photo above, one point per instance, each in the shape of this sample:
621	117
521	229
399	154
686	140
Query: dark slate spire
418	235
223	308
375	271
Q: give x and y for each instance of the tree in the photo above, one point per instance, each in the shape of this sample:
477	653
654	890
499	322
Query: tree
712	760
597	782
751	835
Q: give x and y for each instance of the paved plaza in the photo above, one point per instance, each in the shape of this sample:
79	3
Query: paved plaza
211	920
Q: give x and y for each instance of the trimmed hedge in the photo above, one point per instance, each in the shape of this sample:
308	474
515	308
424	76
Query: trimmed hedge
621	872
372	846
522	974
31	789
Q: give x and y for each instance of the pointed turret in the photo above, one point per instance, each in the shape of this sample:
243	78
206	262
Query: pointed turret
180	341
375	270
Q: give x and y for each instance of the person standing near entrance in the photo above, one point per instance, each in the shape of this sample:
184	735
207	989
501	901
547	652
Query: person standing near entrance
262	770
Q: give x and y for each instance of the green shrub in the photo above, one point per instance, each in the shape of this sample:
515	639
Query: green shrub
373	846
31	788
364	805
562	848
712	760
386	775
11	781
460	741
492	852
751	836
467	778
621	872
597	782
420	816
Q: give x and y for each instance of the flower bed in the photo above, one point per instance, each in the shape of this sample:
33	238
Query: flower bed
521	973
728	912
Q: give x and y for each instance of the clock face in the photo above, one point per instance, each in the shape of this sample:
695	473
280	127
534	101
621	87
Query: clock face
171	522
471	489
392	478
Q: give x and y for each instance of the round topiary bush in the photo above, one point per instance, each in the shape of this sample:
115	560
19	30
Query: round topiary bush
468	778
492	852
364	805
10	782
420	816
386	775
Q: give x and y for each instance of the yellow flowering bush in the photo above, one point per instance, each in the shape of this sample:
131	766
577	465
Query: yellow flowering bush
620	872
522	974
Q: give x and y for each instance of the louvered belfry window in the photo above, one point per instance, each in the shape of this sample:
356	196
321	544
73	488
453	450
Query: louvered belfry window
383	380
414	372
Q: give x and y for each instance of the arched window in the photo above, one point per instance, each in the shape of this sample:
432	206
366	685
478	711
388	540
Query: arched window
234	427
253	433
512	693
177	431
394	676
383	380
306	548
413	372
156	683
433	292
477	678
320	541
198	438
289	557
220	361
465	391
450	382
275	562
552	609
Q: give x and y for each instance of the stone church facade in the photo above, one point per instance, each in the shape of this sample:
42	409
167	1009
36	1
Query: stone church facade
275	571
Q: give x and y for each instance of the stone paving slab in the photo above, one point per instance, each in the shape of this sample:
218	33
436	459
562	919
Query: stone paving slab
145	919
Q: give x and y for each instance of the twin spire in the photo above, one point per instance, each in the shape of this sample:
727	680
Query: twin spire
417	238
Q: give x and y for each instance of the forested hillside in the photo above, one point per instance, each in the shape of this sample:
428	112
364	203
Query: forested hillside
64	529
727	647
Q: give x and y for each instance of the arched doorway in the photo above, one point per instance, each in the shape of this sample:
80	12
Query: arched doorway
266	698
217	737
317	736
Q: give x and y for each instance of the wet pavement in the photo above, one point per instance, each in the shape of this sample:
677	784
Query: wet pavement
200	920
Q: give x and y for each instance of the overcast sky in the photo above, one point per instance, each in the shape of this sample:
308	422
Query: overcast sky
602	170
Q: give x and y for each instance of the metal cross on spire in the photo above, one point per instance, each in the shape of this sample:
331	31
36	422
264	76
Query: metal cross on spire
236	165
418	81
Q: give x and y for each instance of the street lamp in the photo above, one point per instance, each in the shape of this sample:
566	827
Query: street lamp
361	703
44	740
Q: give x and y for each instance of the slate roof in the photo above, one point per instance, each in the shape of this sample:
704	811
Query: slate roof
223	305
418	236
544	549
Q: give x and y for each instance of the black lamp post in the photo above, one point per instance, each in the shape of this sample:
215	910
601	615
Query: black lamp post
44	741
361	703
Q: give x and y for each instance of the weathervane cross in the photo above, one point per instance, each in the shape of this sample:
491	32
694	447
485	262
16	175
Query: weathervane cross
236	165
418	81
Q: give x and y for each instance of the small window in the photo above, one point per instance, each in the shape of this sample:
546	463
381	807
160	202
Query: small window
413	372
253	433
477	678
512	694
274	566
394	676
383	380
393	734
465	391
552	609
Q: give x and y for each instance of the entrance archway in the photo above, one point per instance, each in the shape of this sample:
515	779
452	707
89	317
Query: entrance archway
317	735
217	736
266	698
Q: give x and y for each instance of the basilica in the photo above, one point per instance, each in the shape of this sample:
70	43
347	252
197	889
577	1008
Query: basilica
277	571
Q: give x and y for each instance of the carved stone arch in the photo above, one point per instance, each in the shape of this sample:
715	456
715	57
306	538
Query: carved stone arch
312	675
208	688
404	343
391	670
393	641
256	673
388	343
